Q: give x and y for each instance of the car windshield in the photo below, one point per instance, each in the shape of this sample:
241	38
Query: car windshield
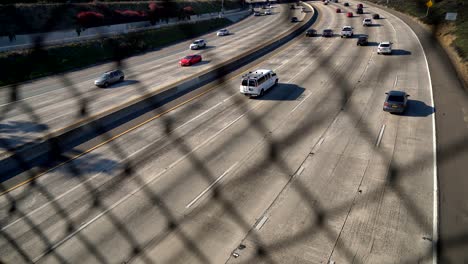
385	45
105	75
346	29
396	98
188	57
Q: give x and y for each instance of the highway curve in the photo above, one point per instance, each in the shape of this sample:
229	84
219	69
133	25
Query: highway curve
313	172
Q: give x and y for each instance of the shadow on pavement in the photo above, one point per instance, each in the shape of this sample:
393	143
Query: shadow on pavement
282	92
416	108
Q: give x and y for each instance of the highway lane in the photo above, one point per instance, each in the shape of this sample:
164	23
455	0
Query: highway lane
230	135
54	100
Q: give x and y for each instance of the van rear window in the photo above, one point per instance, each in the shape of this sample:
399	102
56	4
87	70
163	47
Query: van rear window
251	82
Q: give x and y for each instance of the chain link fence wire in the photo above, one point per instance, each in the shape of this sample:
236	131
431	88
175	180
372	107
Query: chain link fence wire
129	174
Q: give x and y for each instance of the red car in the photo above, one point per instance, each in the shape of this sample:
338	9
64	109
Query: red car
349	14
190	59
360	6
338	10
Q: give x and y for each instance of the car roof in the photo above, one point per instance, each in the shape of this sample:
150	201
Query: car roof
397	93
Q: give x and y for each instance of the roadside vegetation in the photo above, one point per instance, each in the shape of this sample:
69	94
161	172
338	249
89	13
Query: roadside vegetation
51	15
29	64
436	18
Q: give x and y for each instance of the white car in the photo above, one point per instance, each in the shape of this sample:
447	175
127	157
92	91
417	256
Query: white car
222	32
347	31
198	44
384	48
268	12
367	22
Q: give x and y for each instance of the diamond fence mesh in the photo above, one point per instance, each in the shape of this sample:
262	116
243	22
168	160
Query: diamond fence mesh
127	173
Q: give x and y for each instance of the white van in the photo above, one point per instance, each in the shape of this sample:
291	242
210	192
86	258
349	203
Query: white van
258	82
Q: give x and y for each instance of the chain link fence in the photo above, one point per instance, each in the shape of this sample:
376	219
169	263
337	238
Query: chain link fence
127	173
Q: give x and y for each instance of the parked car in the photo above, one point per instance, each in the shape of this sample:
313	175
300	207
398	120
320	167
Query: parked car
338	10
311	32
293	6
222	32
384	48
294	19
268	12
190	60
359	10
367	22
109	78
362	40
198	44
375	16
395	102
346	4
347	32
256	13
349	14
327	33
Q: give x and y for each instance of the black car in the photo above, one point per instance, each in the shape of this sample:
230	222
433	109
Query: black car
375	16
294	19
346	4
327	33
311	32
362	40
360	11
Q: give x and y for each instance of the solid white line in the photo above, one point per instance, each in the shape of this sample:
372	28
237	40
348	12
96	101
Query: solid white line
382	129
320	141
435	216
261	222
96	175
211	186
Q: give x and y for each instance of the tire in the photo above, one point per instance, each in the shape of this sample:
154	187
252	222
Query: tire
262	92
106	85
121	78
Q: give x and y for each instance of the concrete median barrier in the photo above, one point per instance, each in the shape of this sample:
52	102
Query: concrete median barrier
44	150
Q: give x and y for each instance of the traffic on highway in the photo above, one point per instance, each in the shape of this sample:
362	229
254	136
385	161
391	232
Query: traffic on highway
271	140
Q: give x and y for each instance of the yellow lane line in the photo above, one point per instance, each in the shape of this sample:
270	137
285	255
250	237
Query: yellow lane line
143	123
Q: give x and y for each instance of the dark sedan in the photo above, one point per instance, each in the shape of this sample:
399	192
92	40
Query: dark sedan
294	19
375	16
327	33
311	32
395	102
362	40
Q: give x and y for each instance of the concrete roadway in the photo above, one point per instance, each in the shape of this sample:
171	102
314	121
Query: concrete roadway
313	172
54	100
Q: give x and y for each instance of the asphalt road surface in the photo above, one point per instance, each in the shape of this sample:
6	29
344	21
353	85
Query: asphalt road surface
53	99
313	172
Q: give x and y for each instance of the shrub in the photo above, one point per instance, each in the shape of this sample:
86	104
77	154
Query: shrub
90	19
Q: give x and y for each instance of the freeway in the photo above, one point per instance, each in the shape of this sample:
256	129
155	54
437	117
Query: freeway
50	104
313	172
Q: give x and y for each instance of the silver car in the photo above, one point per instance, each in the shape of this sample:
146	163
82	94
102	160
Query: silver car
109	78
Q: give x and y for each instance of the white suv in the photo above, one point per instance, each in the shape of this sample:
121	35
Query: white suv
347	31
384	48
367	22
198	44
